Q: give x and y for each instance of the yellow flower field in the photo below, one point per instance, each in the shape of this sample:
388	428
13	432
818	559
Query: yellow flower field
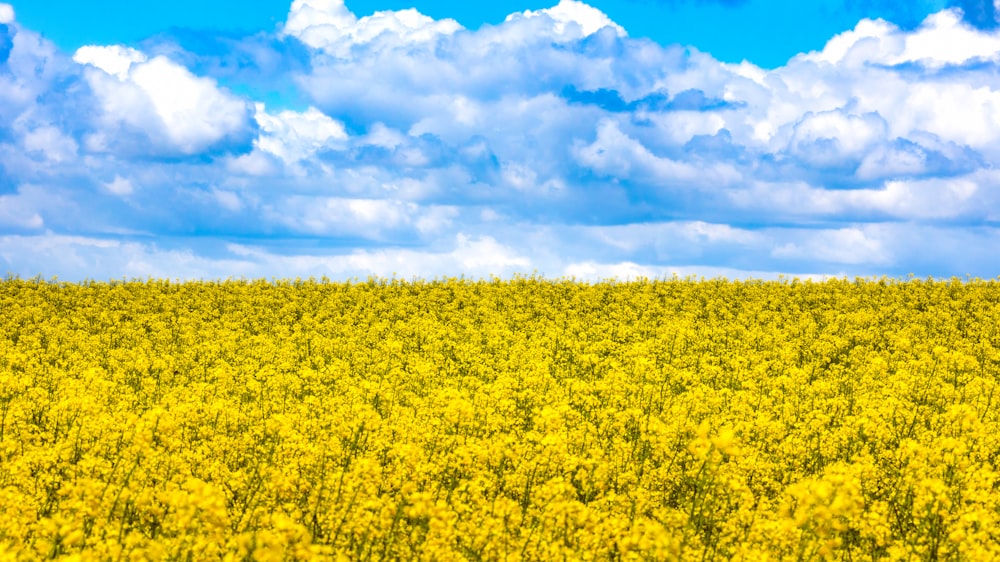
500	420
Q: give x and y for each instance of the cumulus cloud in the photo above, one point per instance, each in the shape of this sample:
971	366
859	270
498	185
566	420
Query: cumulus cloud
844	246
981	14
88	257
631	271
294	136
828	138
571	19
6	13
943	38
162	100
615	154
50	144
18	212
330	26
120	186
551	141
373	218
115	60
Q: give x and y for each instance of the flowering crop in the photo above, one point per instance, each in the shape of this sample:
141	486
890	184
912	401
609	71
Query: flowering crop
499	420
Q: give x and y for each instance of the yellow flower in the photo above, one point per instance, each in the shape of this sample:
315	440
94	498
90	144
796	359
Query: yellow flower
524	420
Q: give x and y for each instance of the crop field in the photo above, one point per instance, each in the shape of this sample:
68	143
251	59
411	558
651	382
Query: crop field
527	419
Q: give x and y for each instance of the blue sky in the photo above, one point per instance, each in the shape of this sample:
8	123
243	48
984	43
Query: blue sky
612	138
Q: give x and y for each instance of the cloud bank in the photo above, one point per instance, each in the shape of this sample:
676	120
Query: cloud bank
552	142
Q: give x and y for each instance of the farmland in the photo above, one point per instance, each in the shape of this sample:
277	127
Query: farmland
525	419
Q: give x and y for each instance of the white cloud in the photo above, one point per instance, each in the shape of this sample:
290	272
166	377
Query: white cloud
372	218
679	241
19	212
256	163
853	78
452	79
708	232
382	136
490	215
870	39
629	271
81	257
436	219
115	60
852	246
196	113
471	256
945	39
120	186
937	198
6	13
486	254
924	199
329	25
160	98
623	271
571	19
614	153
955	111
889	161
308	18
679	127
228	200
828	137
293	136
942	39
32	67
51	144
549	141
